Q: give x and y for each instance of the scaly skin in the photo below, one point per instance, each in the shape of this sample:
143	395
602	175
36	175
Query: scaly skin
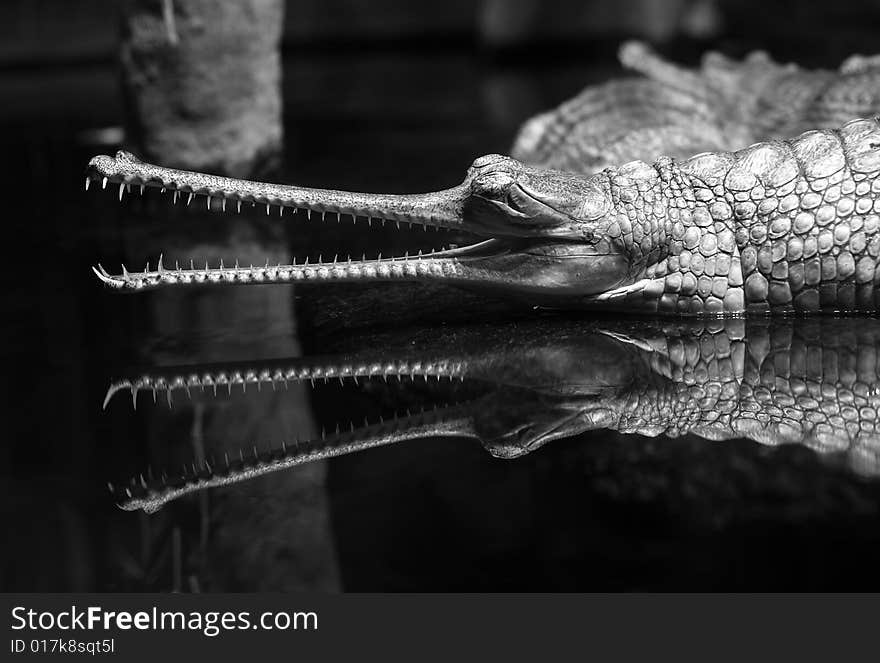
668	111
812	382
777	227
674	111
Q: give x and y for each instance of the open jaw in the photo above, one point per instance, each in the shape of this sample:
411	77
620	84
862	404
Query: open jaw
436	211
151	493
511	256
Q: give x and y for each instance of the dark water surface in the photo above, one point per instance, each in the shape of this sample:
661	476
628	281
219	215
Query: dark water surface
724	505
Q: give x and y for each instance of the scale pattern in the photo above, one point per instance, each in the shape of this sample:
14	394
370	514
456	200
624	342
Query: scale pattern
812	383
677	111
776	227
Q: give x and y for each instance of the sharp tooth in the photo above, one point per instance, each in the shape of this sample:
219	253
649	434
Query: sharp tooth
88	181
174	197
104	183
309	215
281	210
223	204
267	209
121	190
239	207
208	203
143	188
190	197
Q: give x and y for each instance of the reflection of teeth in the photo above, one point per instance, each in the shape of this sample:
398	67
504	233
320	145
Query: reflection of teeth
280	375
150	495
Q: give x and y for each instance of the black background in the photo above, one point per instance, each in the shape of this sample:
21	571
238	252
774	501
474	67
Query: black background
396	99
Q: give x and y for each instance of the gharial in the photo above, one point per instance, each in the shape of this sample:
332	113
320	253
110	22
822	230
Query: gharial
780	226
809	382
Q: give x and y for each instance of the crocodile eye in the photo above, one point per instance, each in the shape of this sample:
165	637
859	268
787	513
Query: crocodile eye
494	184
489	159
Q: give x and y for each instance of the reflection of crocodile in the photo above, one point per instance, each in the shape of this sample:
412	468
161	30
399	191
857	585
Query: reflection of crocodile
812	382
778	226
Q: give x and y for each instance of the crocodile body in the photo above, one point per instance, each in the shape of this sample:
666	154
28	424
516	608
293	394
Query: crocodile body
674	111
777	227
809	382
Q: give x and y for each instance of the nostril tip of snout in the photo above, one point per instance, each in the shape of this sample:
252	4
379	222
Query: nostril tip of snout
102	164
122	155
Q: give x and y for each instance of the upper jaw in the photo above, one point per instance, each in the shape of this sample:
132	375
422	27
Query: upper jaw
440	209
455	208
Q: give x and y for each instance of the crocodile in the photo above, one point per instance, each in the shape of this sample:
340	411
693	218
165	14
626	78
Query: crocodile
778	227
814	382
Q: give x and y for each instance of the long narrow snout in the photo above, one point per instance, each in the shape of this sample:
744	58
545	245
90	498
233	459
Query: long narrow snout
440	208
503	249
